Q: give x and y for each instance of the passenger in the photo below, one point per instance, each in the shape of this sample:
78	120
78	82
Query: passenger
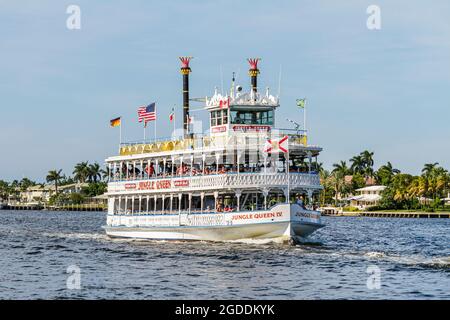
300	202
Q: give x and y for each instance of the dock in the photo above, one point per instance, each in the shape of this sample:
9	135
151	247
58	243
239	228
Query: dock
377	214
391	214
68	207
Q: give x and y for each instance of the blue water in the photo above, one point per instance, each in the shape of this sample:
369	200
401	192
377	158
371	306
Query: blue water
37	247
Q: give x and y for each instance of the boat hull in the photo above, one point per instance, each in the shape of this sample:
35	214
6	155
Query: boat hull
282	223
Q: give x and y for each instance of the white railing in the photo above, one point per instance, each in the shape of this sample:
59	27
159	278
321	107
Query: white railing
220	181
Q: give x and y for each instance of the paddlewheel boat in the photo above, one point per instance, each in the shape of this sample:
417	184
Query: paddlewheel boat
242	180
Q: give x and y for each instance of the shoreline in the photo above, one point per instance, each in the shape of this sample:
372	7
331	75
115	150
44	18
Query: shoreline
40	207
393	214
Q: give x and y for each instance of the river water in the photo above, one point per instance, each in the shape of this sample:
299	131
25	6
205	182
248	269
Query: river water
408	258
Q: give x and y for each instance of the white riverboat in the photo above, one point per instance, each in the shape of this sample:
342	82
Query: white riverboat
242	180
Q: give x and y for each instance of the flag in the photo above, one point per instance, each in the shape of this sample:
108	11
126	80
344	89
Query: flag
171	116
115	122
190	119
224	103
301	103
147	113
273	146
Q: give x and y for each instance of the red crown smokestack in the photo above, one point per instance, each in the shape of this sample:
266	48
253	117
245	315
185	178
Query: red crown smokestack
253	72
185	70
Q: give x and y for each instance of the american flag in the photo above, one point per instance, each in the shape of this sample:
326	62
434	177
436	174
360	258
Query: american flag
147	113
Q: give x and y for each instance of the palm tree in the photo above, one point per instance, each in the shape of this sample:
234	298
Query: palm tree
367	157
94	172
81	172
317	166
25	183
401	185
357	164
341	168
327	183
54	176
339	172
5	190
106	173
429	168
385	173
389	168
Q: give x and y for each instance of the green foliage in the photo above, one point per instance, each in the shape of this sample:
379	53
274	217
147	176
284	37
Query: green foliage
350	209
358	181
76	198
54	176
85	172
58	199
5	190
94	189
25	183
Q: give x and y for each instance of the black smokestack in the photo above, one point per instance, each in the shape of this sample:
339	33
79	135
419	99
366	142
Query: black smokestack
253	72
185	70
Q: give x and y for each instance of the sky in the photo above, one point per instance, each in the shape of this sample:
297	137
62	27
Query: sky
383	90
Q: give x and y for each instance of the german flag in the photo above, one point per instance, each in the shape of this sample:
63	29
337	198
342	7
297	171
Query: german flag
115	122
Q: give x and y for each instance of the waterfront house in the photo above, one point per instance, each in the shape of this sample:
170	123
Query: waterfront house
367	197
36	194
42	193
447	200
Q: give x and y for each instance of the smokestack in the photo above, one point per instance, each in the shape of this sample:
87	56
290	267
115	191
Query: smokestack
253	73
185	70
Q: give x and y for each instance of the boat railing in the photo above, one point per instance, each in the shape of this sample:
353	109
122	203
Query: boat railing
206	141
228	180
195	211
163	176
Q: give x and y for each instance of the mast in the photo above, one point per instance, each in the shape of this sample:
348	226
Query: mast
185	70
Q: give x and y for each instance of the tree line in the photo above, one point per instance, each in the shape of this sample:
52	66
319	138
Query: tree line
83	172
403	190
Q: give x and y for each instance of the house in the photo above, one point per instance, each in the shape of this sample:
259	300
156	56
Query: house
35	194
42	193
367	197
447	200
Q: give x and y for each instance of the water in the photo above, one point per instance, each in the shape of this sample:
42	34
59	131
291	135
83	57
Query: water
36	248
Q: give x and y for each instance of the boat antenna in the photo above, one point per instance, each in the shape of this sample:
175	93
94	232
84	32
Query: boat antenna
232	86
221	80
279	83
237	75
296	125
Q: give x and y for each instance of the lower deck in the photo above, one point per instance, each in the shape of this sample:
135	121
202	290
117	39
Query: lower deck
284	220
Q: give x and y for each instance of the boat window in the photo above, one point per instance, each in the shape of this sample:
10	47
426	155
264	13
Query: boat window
252	117
214	118
225	116
219	117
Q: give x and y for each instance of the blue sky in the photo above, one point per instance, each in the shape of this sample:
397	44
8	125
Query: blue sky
386	91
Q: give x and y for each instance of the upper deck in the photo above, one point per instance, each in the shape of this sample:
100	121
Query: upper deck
235	141
239	150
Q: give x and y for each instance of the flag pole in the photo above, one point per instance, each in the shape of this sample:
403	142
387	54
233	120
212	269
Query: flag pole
120	133
145	126
304	117
288	200
174	121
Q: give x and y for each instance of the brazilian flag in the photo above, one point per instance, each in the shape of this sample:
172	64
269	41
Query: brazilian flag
301	103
